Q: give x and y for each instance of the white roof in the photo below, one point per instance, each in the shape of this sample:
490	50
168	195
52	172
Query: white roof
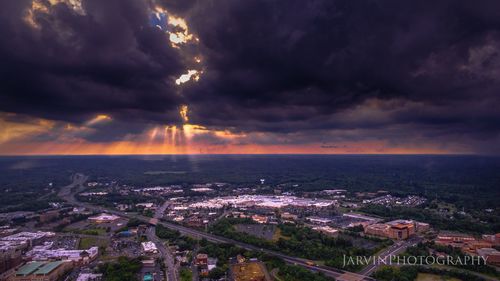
105	217
88	276
27	236
263	201
45	253
149	246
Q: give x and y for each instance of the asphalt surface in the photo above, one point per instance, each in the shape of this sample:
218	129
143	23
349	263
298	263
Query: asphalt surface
165	253
395	249
67	193
168	257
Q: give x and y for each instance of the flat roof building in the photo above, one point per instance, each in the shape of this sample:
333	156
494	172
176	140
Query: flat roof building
29	238
45	253
318	220
42	271
104	218
491	255
326	230
378	229
453	239
149	247
89	277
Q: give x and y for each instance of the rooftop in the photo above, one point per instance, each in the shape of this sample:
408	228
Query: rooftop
48	267
28	268
263	201
27	236
104	217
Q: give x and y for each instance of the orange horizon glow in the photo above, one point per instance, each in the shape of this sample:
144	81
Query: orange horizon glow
140	148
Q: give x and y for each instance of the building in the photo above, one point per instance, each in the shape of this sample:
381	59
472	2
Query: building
454	239
318	220
30	238
89	277
401	229
202	262
201	259
194	221
364	224
45	253
378	229
360	217
287	217
202	189
103	218
494	239
212	263
491	255
123	207
42	271
327	230
397	229
10	257
149	263
472	246
146	206
149	247
422	227
260	218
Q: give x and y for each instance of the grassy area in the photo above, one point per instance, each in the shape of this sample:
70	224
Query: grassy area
277	235
186	274
90	231
434	277
120	270
302	242
87	242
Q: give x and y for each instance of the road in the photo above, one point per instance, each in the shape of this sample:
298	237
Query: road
339	275
168	257
395	249
76	185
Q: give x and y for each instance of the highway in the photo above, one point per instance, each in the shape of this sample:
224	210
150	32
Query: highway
67	194
168	257
395	249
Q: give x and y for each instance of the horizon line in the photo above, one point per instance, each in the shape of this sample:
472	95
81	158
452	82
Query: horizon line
257	154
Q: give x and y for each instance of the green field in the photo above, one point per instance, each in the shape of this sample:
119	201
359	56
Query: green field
87	242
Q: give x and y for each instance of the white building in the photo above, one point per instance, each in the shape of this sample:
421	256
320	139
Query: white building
318	220
145	205
104	218
149	247
326	230
267	201
89	277
202	189
45	253
28	237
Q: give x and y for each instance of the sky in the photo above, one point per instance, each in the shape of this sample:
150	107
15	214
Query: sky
254	76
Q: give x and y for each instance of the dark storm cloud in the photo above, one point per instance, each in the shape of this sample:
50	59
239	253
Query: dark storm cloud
293	65
302	71
74	65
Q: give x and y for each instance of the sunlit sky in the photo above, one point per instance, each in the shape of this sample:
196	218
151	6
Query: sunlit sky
238	77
